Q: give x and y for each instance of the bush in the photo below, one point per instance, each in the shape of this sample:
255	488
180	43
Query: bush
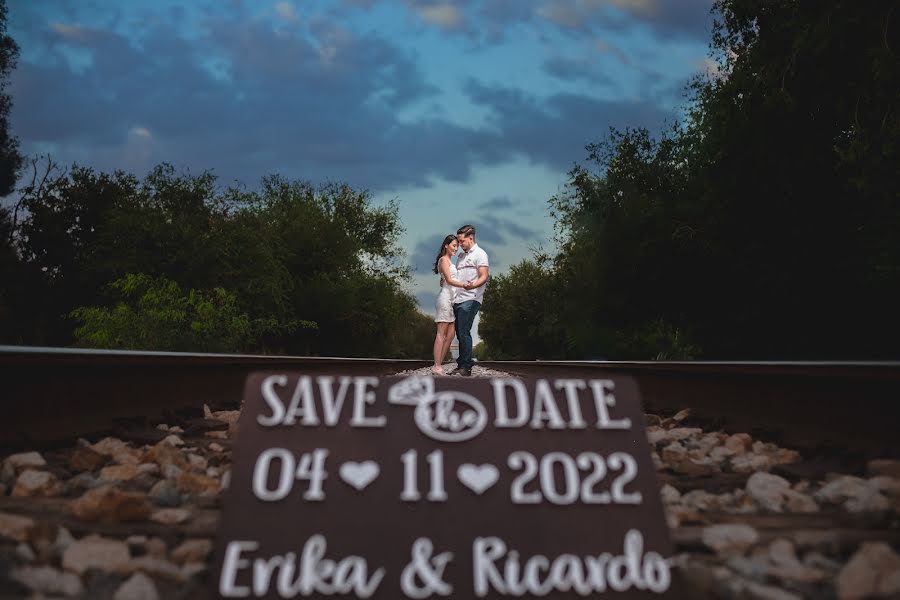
156	314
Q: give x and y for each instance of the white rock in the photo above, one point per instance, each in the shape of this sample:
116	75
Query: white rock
24	460
676	515
151	468
109	446
170	516
95	552
720	453
786	565
701	500
191	569
739	443
873	571
37	483
48	580
729	538
749	463
705	444
173	440
768	491
684	433
669	494
654	434
855	494
216	447
197	462
137	587
192	551
681	415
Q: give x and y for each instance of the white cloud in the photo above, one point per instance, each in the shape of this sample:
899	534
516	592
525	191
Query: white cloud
446	16
286	11
141	132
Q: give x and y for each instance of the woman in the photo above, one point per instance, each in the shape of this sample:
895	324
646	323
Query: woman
444	305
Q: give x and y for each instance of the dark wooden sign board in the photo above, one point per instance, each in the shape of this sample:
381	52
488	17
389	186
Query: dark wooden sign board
441	487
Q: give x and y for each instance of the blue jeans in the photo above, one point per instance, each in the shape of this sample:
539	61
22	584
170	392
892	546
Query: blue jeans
465	315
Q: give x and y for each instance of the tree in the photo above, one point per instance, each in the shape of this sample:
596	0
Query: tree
10	159
290	267
155	314
521	306
766	225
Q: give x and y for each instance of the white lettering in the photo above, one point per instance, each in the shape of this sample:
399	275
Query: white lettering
272	399
302	404
571	386
567	572
502	418
603	399
230	566
545	407
361	398
484	552
331	405
316	575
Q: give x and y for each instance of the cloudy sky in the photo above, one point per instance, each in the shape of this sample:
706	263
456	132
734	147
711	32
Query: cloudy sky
466	111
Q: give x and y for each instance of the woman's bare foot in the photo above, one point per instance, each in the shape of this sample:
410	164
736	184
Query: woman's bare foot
438	370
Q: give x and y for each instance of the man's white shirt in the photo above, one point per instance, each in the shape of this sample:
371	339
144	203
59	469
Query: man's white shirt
467	270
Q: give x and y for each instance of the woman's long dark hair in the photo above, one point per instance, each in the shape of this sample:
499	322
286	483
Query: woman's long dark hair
446	241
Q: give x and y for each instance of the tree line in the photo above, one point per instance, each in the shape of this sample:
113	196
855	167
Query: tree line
172	262
765	224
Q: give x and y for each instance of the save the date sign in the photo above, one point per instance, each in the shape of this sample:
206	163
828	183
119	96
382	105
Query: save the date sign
422	487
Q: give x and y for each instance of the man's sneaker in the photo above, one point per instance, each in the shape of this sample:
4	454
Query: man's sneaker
465	372
456	371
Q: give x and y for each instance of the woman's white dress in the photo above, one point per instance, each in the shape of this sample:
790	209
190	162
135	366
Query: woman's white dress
444	304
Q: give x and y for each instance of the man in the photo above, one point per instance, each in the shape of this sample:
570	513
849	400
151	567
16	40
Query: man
472	268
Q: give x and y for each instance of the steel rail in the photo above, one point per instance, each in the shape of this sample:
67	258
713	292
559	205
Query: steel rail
51	395
852	406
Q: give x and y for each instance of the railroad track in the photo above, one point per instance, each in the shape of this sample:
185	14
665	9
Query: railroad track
853	406
839	416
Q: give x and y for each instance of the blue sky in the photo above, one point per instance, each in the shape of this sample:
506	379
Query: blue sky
465	112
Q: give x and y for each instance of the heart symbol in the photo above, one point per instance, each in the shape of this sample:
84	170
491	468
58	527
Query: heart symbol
359	475
477	478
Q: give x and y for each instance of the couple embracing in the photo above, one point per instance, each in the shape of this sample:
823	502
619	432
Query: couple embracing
460	298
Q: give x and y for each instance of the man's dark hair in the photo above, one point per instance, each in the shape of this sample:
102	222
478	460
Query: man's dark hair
466	230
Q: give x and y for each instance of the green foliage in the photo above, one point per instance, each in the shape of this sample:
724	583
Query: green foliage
482	352
763	227
259	266
522	308
156	314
